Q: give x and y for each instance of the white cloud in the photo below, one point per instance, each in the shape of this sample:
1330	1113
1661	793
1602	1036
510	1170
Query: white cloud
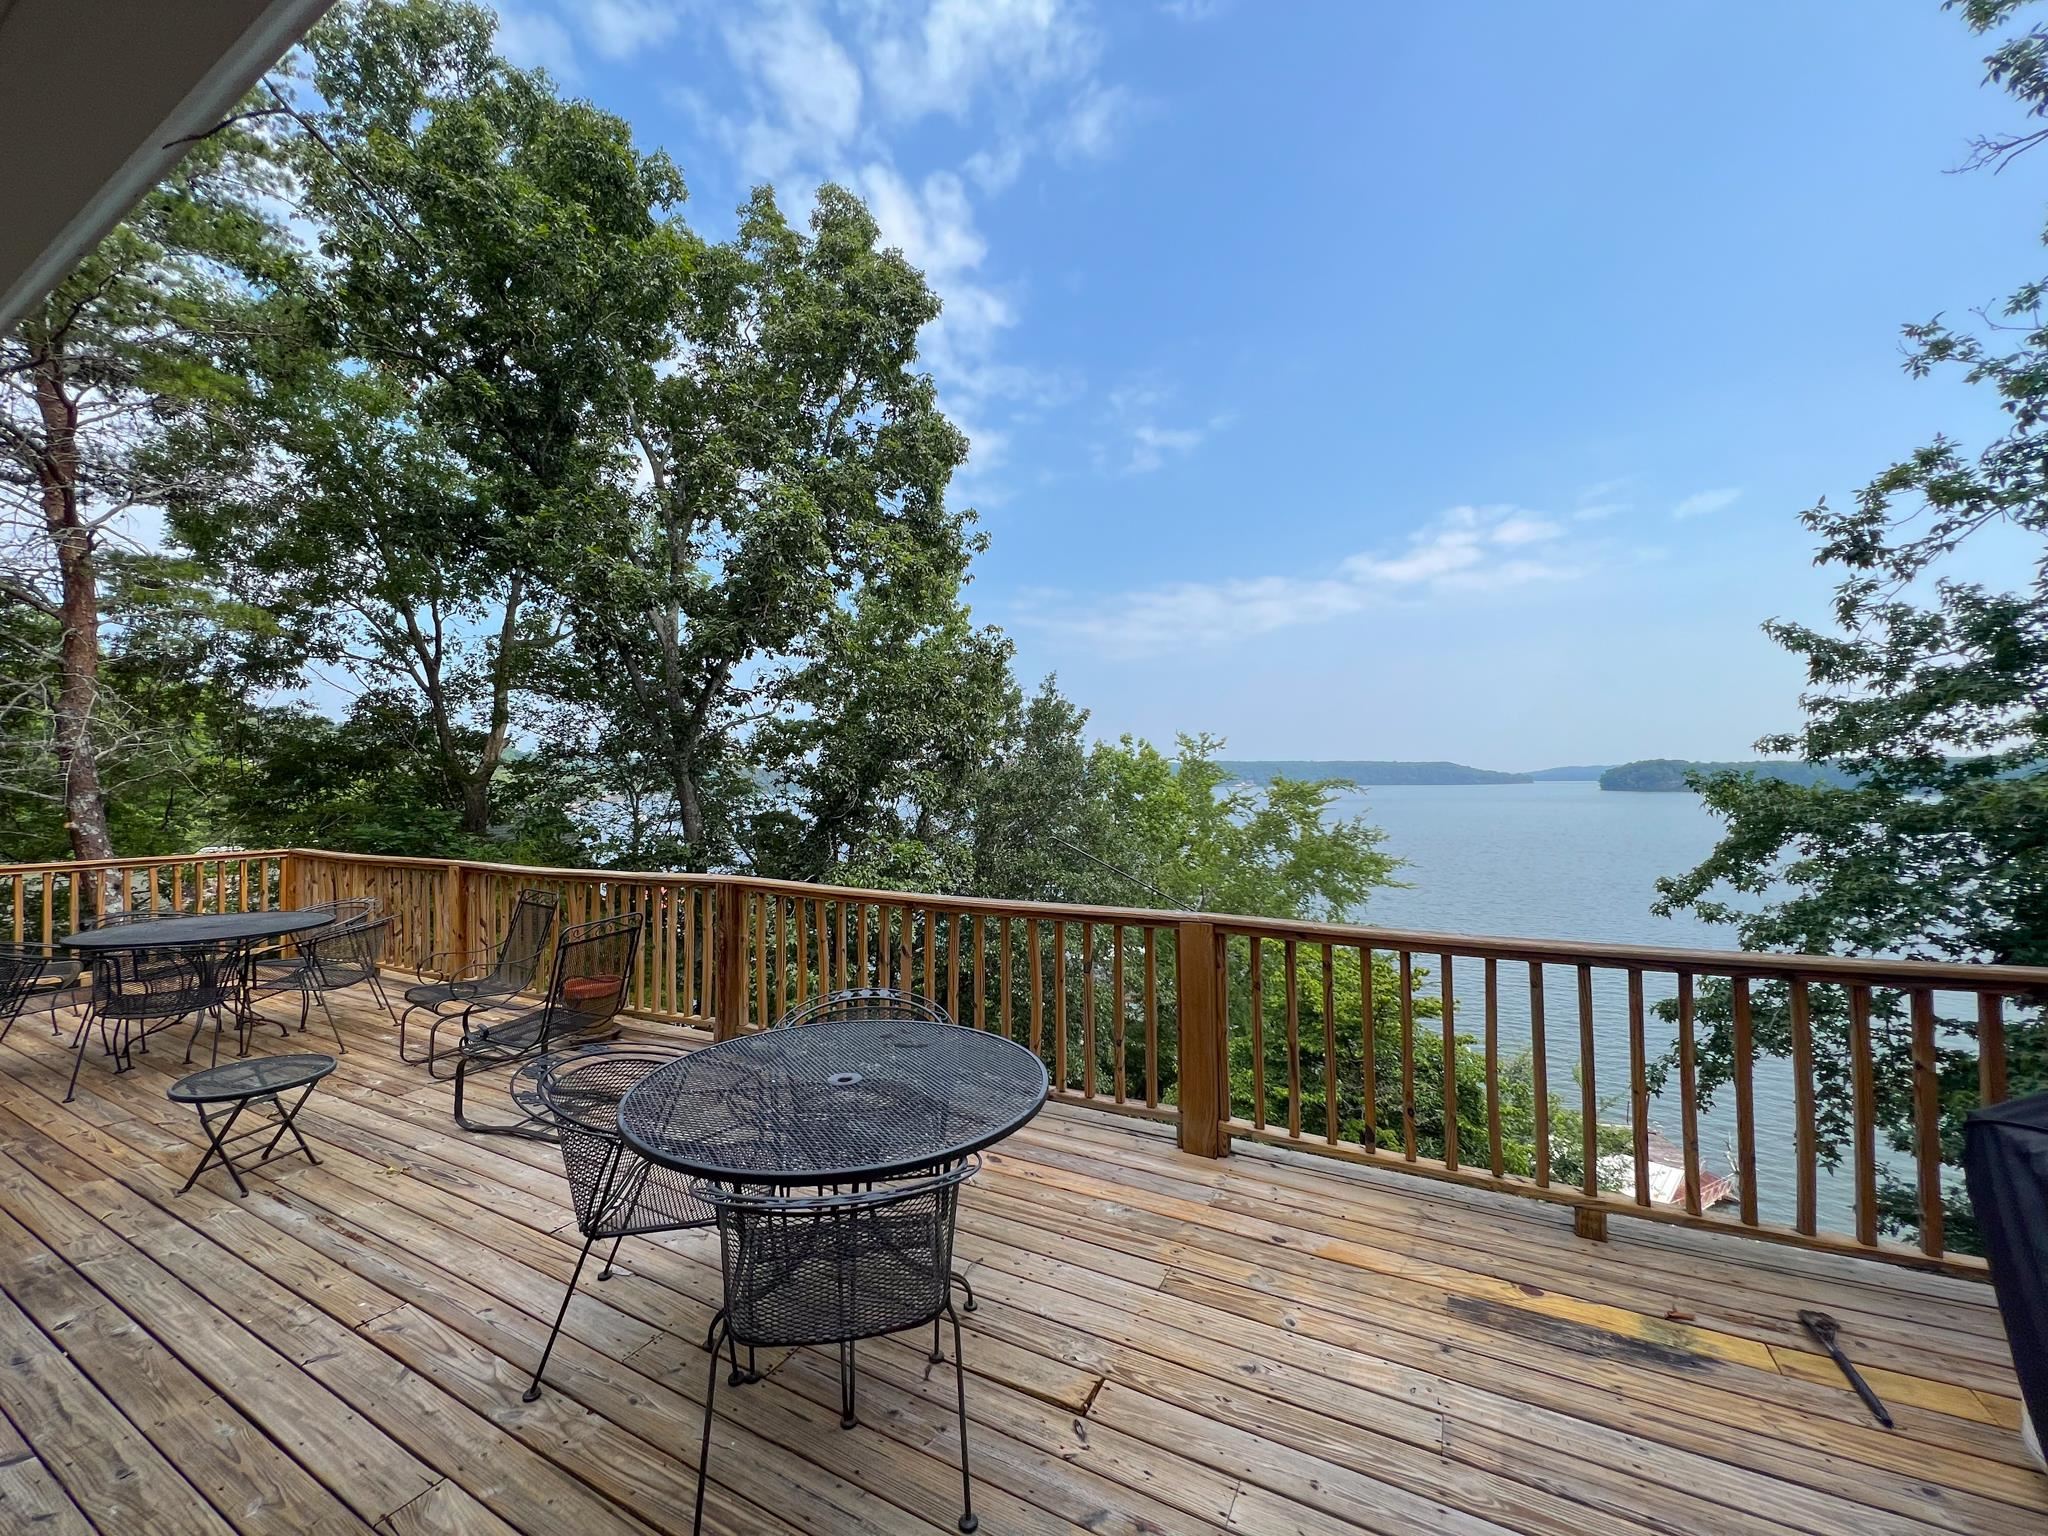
536	40
994	169
826	86
938	61
1150	446
1703	503
1139	405
1191	10
1091	128
620	28
1466	550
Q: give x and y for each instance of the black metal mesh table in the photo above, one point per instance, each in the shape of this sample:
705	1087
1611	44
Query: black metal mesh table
237	1085
215	928
840	1103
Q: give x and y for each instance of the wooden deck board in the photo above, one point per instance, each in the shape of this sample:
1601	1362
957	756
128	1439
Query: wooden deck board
1166	1344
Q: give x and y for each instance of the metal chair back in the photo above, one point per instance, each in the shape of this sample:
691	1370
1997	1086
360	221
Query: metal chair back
863	1003
21	973
349	953
593	973
616	1192
525	943
140	984
831	1269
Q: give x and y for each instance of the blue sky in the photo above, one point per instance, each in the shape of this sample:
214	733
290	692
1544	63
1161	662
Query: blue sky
1362	380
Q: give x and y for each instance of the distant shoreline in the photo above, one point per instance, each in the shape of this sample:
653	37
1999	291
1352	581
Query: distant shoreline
1652	775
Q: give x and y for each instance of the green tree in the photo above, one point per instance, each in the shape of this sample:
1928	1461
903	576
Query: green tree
1931	691
494	266
797	463
151	331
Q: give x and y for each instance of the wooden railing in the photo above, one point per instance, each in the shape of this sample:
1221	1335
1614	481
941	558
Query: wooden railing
1545	1069
40	903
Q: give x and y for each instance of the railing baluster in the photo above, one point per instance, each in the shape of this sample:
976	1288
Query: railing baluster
1116	1008
1589	1096
1745	1096
981	1015
1450	1067
1368	1021
1495	1155
1003	977
757	921
1990	1048
1293	1039
1688	1069
1258	1004
1805	1150
1407	1055
1863	1093
1034	943
1087	1010
1332	1117
1927	1122
1151	1018
1638	1086
1059	1004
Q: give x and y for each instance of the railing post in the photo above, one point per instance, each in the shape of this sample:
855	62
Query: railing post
1204	1090
455	908
730	980
288	876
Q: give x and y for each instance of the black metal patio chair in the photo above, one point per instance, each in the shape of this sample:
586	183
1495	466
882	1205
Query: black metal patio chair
836	1269
587	986
137	992
25	977
616	1193
863	1003
348	954
469	980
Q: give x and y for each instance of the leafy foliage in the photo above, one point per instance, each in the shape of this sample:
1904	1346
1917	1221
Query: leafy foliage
1930	692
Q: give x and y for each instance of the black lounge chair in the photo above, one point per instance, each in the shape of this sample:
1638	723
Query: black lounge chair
863	1003
592	972
470	980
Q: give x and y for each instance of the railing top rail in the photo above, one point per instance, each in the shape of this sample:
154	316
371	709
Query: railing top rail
1938	975
222	856
531	871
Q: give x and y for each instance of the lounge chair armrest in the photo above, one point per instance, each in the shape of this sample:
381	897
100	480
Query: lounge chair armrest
473	965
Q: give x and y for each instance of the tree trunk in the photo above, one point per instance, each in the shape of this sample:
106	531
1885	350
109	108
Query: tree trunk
78	661
476	804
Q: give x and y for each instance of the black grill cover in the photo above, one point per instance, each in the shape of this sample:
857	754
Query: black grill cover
2005	1158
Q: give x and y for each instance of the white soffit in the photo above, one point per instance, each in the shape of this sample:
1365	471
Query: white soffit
94	95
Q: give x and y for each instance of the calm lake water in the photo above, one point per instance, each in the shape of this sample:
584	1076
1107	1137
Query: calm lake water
1571	861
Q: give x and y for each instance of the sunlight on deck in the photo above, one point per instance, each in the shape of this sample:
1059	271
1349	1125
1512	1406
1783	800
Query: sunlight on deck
1165	1343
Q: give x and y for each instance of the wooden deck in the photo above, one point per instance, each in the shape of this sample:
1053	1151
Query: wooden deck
1165	1344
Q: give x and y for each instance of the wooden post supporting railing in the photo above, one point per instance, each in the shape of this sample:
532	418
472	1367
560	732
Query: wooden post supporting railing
454	909
730	938
1204	1089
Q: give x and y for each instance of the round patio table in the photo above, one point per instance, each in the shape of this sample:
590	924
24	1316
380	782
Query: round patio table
847	1102
232	934
178	932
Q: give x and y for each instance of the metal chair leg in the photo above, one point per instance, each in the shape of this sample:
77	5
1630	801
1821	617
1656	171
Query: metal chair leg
848	1381
340	1047
956	1278
704	1450
84	1028
968	1521
606	1272
532	1392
